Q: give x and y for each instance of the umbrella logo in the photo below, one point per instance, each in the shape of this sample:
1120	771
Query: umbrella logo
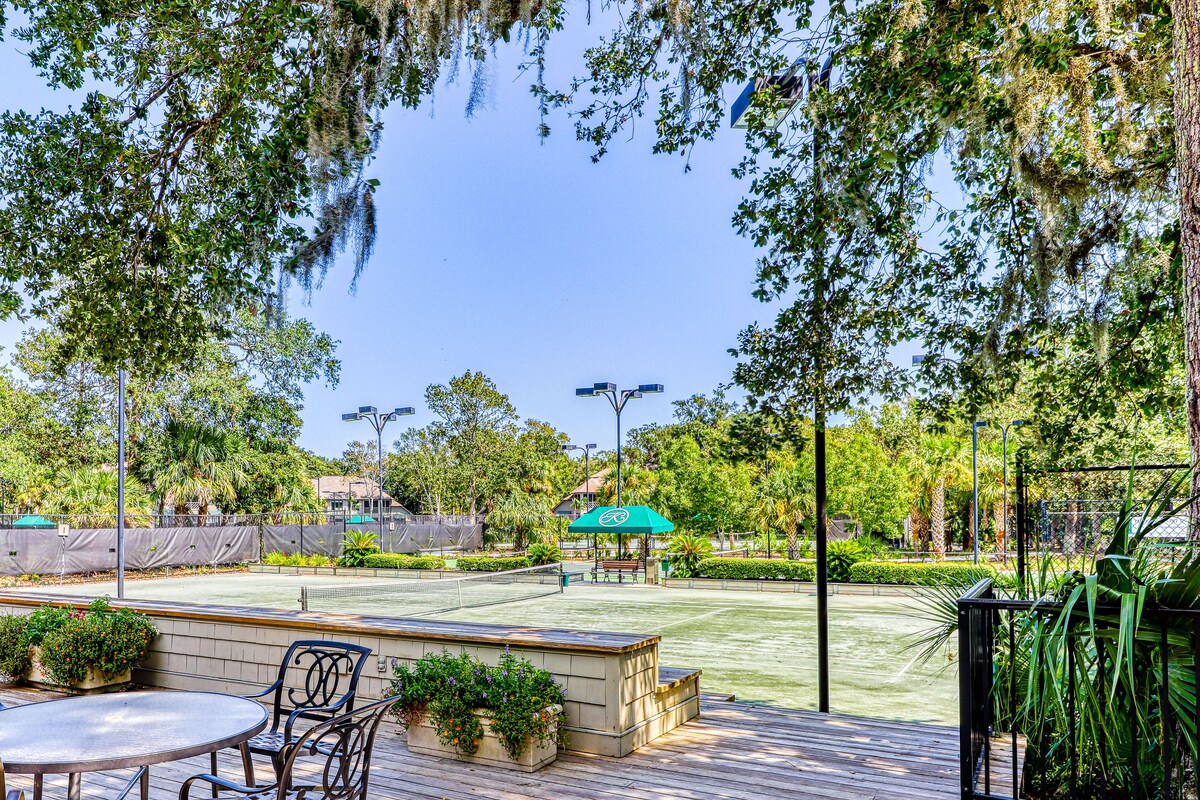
613	517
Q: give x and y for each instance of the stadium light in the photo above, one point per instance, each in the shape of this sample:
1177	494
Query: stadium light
378	422
617	399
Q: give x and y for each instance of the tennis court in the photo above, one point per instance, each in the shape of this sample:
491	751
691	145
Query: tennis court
759	646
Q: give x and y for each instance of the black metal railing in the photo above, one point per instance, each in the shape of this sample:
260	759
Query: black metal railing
994	706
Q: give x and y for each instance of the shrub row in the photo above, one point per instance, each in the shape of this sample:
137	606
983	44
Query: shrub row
486	564
401	561
935	574
749	569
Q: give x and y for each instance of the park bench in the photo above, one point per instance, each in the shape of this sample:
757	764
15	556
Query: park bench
622	567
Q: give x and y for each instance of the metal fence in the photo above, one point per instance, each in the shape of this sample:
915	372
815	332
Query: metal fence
1016	726
62	544
1072	512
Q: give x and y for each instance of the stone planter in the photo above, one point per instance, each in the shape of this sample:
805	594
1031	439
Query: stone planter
93	683
423	739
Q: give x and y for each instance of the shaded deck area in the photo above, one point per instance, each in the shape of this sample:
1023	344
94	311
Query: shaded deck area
732	751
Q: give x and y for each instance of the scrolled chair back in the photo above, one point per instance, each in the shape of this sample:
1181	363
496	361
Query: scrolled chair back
331	671
332	760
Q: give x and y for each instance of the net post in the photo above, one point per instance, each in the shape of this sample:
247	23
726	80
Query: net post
304	598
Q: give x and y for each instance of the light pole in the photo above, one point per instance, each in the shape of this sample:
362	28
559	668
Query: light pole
791	87
618	399
587	464
378	422
975	426
120	484
1016	423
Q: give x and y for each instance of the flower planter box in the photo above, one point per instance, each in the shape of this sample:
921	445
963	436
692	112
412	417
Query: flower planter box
423	739
94	683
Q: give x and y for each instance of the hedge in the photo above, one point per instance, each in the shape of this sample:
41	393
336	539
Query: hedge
486	564
749	569
400	561
919	574
909	574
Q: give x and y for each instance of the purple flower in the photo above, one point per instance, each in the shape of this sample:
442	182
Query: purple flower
452	681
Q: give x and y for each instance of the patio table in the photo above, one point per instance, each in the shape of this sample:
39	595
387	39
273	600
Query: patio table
96	733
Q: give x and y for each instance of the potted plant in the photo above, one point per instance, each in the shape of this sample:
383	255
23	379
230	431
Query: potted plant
75	649
458	707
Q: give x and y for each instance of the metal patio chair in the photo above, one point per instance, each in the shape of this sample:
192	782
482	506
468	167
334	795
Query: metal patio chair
330	682
330	761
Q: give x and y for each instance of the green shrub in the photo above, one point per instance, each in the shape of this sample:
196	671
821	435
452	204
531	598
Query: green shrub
297	560
401	561
110	640
749	569
488	564
943	573
539	554
14	646
515	694
841	555
356	546
686	551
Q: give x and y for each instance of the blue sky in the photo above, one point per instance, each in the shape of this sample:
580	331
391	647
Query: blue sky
521	258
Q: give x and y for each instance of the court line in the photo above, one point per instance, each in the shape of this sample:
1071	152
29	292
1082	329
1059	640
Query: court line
690	619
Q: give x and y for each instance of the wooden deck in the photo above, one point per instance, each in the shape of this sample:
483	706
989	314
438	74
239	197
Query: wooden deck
733	751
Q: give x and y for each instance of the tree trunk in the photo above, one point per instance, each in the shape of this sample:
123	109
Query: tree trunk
1001	525
937	519
791	540
1187	156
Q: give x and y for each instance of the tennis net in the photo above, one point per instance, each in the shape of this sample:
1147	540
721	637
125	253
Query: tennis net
423	597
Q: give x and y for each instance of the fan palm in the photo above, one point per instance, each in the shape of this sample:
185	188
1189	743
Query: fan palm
786	498
89	497
202	464
637	487
522	516
941	465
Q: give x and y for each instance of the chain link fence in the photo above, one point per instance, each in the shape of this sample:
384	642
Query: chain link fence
1073	513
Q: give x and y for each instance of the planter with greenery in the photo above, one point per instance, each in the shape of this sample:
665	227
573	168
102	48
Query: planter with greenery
489	564
542	554
458	707
685	553
356	547
749	569
81	651
941	573
401	561
297	560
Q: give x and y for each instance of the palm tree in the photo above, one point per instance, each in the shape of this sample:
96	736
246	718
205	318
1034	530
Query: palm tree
941	467
89	497
786	498
522	516
637	486
199	463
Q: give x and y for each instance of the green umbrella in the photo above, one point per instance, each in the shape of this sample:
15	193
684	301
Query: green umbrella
34	521
636	520
626	519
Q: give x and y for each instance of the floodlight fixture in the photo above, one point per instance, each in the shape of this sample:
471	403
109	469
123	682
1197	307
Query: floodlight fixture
352	417
404	411
918	360
588	392
368	410
604	387
651	388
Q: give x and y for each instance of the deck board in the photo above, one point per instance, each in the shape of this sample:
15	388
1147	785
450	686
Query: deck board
734	751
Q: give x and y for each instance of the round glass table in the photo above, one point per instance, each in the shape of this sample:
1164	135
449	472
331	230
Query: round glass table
96	733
